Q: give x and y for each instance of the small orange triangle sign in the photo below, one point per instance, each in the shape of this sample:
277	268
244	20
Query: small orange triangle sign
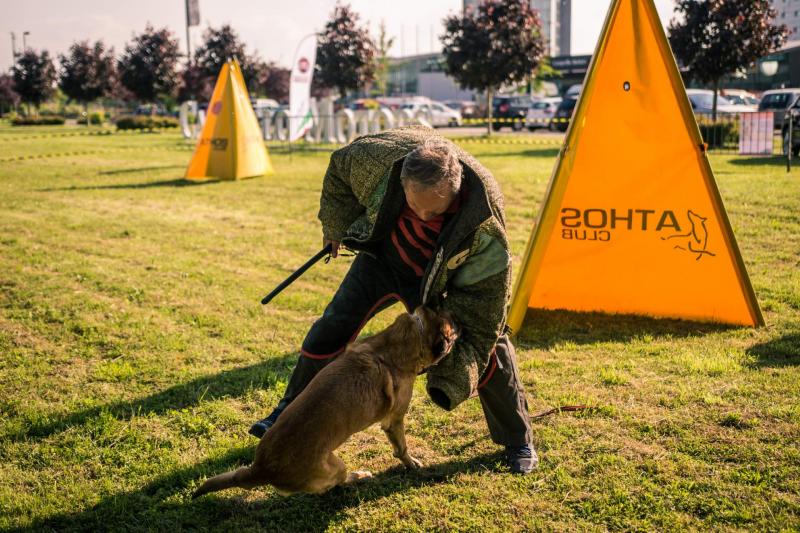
230	146
632	221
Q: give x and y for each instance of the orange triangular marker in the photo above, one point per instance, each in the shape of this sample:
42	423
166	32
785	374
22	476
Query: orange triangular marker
632	221
231	145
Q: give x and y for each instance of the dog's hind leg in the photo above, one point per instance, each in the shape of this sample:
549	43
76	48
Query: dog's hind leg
243	477
333	472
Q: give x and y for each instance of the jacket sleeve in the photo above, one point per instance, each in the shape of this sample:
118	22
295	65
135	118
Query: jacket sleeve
338	206
477	299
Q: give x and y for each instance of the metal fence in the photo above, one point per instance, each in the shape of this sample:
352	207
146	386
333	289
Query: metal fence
748	133
751	133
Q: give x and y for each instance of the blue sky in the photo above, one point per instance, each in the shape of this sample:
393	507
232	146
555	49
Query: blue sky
273	28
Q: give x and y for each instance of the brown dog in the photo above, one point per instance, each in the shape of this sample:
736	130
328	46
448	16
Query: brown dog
370	382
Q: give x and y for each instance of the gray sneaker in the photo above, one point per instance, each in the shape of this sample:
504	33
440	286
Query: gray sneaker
521	459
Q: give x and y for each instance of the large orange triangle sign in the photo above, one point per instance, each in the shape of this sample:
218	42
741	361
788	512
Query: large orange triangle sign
632	221
230	146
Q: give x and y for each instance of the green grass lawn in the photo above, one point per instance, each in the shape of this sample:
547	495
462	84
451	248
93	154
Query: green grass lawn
134	355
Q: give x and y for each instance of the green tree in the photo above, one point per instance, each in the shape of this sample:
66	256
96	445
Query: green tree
34	77
87	72
194	84
715	38
147	68
275	82
345	52
222	44
500	42
8	96
382	60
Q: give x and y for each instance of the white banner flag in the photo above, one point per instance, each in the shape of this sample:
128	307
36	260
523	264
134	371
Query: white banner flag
755	133
300	116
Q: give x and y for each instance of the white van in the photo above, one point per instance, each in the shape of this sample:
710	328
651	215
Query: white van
440	115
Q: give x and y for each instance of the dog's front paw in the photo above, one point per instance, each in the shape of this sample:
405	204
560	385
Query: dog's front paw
412	463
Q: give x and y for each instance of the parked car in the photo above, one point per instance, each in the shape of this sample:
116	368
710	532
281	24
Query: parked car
541	113
152	109
440	114
794	110
702	101
391	102
564	112
741	97
364	103
467	108
778	101
264	107
511	111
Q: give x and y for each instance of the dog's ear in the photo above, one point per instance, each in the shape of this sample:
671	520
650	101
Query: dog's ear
445	339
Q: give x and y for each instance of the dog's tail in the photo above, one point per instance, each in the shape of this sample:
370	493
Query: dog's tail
242	477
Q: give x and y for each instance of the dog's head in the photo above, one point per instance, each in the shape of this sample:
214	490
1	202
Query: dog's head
437	332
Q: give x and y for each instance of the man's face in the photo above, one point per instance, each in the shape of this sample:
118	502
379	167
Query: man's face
428	203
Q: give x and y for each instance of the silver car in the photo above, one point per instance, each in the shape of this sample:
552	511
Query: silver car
541	113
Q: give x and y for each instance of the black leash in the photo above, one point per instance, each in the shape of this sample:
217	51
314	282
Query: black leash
296	274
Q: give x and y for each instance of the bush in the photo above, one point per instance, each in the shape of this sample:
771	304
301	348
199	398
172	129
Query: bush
140	122
720	134
38	121
94	118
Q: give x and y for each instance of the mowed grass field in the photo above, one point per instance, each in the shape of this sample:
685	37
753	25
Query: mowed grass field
134	355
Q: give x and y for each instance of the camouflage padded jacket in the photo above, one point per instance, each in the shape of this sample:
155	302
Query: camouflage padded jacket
470	272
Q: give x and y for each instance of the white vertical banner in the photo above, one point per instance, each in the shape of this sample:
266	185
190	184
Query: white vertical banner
300	115
755	133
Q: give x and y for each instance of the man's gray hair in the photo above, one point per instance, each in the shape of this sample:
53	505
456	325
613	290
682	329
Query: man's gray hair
432	163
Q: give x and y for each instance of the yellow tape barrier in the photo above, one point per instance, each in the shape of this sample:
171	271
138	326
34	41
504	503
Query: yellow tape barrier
101	133
30	157
73	153
516	120
506	140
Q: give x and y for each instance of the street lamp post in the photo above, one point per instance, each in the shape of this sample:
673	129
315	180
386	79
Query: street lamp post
24	42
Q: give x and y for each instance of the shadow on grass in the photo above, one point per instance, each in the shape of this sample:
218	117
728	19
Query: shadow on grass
165	503
544	329
544	153
301	148
773	161
783	351
235	382
138	169
181	182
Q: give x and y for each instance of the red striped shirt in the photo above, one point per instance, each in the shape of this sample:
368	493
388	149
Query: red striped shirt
413	239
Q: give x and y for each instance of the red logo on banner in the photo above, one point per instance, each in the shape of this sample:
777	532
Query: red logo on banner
303	65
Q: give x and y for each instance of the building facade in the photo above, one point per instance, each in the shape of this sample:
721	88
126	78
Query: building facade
423	75
556	17
789	14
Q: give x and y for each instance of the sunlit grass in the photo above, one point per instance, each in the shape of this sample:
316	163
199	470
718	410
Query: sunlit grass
134	355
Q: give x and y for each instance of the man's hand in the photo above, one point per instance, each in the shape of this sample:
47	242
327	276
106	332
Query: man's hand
334	247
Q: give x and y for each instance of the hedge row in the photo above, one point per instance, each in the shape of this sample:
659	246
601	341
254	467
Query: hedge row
94	118
38	121
720	134
140	122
